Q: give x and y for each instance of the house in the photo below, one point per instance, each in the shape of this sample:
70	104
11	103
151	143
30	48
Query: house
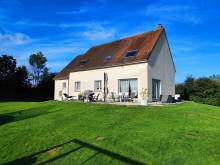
143	61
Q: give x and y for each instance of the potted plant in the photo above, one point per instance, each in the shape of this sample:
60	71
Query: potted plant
144	96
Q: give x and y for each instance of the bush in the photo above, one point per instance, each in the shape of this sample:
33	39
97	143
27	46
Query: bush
213	101
197	99
204	90
208	100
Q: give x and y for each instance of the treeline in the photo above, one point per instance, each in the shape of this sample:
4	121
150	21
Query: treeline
203	90
17	83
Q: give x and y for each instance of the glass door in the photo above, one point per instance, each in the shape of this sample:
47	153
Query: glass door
128	86
155	89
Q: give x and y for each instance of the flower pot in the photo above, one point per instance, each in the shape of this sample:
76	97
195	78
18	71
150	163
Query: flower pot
144	102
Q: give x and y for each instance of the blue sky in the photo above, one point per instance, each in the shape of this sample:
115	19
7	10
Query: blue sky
63	29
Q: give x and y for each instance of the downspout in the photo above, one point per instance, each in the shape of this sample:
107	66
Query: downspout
68	84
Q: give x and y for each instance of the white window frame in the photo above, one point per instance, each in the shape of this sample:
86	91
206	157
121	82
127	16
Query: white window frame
77	86
98	85
64	86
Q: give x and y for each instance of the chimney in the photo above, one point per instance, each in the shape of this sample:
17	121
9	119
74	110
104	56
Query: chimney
159	26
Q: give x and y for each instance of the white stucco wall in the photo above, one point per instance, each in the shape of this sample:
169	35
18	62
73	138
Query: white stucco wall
87	78
161	67
58	88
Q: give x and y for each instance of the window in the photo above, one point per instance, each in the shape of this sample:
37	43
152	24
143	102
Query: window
77	86
155	89
129	86
97	85
131	53
83	62
107	58
64	86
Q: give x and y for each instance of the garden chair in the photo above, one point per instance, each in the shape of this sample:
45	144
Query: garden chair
116	97
96	98
120	95
126	96
131	98
67	97
110	97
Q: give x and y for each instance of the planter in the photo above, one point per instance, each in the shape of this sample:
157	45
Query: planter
144	102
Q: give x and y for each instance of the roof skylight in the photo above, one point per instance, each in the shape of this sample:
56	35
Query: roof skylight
131	53
107	58
83	62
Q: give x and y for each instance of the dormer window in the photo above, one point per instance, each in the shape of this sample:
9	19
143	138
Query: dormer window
107	58
83	62
131	53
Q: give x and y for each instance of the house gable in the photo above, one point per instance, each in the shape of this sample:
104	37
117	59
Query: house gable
161	67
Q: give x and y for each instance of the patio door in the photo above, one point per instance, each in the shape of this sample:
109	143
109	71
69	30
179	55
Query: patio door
129	86
155	89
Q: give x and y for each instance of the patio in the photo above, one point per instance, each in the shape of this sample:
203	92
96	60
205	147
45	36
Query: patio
111	97
117	99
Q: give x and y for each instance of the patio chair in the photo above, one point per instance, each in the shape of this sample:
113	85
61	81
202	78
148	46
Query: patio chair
88	95
167	99
131	98
91	97
67	97
110	97
116	97
96	98
120	96
125	97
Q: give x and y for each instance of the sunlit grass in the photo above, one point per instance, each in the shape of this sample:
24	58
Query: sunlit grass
76	133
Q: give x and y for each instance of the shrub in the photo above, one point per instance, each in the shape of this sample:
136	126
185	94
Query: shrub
204	90
213	101
208	100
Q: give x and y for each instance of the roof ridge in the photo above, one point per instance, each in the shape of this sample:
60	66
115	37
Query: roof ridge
125	38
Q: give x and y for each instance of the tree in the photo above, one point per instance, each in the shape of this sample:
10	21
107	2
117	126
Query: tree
21	76
46	85
215	77
180	88
205	87
7	68
13	79
189	86
38	64
204	90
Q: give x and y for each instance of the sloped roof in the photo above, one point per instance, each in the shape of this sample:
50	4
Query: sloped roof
94	57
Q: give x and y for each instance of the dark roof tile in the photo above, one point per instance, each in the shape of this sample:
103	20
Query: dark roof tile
143	43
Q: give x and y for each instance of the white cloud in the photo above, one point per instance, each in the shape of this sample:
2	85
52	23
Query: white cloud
85	25
53	51
14	38
95	31
32	23
99	33
174	13
73	12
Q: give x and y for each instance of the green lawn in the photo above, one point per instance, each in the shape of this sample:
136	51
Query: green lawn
77	133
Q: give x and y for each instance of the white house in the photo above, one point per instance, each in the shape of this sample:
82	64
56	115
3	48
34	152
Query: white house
143	61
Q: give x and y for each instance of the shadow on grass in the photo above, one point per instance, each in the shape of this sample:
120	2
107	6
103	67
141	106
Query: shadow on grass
24	114
108	153
31	159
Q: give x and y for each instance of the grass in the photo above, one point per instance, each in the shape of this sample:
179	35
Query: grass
75	133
